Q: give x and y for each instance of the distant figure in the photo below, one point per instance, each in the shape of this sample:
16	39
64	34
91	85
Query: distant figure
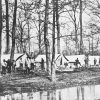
99	61
77	62
66	64
61	61
95	61
28	65
4	65
42	64
25	66
13	65
32	64
86	61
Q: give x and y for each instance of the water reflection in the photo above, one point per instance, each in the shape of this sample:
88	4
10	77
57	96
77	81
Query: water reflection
74	93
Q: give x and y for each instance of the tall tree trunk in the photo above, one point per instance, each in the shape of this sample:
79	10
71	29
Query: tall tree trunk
7	28
53	45
28	36
46	42
81	41
58	28
92	46
0	31
89	45
13	31
21	40
39	14
75	26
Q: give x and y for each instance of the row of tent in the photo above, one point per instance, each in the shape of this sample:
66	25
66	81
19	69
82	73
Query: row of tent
62	59
59	59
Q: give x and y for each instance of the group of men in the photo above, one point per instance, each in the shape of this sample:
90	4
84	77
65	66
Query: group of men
25	65
7	66
86	60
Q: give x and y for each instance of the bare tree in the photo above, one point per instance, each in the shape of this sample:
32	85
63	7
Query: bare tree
7	27
46	41
81	40
28	25
13	31
72	16
39	15
0	31
58	28
39	25
74	8
53	44
21	33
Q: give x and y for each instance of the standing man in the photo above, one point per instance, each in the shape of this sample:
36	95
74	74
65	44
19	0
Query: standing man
77	62
42	64
32	63
28	65
86	60
95	61
4	65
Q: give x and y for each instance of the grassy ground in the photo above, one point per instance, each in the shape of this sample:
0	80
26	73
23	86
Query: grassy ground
18	82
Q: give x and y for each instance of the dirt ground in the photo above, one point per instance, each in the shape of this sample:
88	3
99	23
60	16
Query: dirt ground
18	82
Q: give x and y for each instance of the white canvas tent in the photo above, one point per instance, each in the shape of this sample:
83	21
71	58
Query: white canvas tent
58	60
39	57
23	56
81	59
91	60
38	60
7	56
63	65
61	60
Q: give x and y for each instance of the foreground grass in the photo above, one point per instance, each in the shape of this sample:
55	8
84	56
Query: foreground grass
17	82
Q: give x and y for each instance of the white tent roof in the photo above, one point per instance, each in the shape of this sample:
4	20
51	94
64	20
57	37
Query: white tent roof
57	56
39	57
72	58
7	56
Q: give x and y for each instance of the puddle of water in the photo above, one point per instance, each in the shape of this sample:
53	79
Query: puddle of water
91	92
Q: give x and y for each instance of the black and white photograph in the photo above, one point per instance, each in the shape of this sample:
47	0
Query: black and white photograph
49	49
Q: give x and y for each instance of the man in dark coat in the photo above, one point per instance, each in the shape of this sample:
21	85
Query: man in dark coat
77	62
95	61
42	64
4	67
